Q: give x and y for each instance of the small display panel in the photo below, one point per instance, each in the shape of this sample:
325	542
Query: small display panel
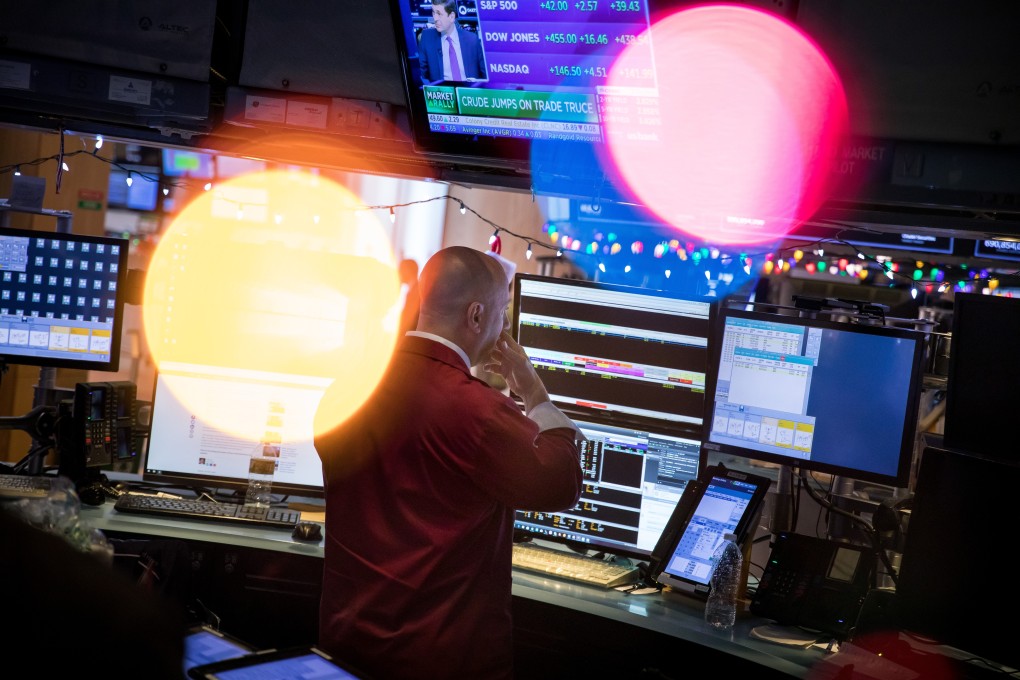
306	662
727	502
205	645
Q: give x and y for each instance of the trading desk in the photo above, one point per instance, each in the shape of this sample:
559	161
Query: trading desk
558	624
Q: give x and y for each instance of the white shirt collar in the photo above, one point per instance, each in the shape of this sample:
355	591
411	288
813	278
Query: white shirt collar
443	341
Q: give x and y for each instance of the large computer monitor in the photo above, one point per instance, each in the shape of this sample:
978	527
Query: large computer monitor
834	397
617	353
633	480
188	448
61	299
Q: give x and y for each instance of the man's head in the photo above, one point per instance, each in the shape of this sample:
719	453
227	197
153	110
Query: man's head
444	15
464	298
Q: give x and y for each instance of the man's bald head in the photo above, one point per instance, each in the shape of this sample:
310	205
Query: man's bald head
455	277
459	289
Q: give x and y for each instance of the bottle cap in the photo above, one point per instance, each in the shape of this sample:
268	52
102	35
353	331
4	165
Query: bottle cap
730	537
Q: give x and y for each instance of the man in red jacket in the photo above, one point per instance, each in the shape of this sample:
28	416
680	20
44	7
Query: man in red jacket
422	483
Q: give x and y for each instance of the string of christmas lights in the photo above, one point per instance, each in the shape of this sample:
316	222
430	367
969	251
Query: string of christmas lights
924	276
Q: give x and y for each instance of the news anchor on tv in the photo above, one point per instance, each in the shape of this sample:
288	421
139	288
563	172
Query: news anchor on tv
448	51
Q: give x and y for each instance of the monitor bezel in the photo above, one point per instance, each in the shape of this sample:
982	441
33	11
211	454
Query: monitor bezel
179	479
899	479
113	363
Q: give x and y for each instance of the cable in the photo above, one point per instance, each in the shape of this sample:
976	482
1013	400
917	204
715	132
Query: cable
869	530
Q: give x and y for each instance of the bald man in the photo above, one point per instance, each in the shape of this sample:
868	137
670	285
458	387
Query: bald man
422	483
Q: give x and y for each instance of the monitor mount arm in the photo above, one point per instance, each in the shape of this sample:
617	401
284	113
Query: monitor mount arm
41	424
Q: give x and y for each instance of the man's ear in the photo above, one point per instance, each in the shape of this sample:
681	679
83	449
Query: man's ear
474	316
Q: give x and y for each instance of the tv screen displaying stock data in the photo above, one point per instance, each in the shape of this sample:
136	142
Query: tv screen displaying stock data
540	69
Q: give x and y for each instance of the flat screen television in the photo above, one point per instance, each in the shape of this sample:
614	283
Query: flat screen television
633	480
820	395
533	70
61	299
186	447
616	353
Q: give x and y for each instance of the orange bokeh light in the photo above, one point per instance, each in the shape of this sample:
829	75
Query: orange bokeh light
274	273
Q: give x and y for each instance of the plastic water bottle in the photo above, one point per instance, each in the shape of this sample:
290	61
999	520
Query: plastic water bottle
721	608
260	481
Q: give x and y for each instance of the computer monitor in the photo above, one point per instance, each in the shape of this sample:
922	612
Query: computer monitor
616	353
187	163
143	192
61	299
633	480
955	582
189	447
981	387
820	395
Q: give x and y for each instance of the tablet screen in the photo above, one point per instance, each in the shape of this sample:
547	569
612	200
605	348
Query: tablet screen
728	502
304	662
203	646
309	665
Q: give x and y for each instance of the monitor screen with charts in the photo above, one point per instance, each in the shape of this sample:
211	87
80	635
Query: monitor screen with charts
189	447
633	479
616	353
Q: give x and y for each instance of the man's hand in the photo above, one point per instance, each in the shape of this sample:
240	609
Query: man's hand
509	360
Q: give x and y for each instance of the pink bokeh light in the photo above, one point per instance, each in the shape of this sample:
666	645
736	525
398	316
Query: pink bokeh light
735	141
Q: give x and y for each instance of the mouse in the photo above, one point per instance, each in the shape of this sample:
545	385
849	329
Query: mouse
307	531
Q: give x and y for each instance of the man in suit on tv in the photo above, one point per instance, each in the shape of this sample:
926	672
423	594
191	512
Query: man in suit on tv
448	51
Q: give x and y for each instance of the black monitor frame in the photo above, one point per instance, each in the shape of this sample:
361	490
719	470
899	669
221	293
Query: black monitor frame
850	421
30	245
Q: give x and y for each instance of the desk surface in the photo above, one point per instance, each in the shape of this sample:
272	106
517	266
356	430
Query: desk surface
668	613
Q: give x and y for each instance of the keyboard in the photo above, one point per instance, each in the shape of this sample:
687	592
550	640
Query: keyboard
25	486
190	508
590	570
